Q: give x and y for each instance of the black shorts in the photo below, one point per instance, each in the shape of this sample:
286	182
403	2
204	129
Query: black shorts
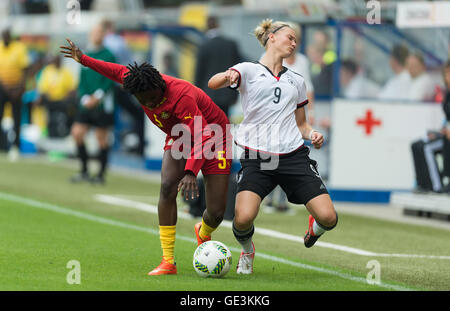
296	173
94	117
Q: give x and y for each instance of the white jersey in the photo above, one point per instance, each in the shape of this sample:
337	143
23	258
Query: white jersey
269	104
396	87
301	65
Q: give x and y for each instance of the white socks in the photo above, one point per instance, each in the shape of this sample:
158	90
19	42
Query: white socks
317	229
244	238
247	246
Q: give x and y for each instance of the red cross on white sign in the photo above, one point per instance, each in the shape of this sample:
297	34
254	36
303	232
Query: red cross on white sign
368	122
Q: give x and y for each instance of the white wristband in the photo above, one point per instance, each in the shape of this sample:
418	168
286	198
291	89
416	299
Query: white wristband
85	99
310	134
99	94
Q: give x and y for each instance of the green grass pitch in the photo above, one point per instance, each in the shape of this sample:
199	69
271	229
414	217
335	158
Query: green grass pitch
46	222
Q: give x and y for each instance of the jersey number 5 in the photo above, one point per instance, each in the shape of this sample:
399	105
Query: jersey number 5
277	94
220	156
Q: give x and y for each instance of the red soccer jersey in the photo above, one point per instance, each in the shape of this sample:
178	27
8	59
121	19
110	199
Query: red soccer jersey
182	101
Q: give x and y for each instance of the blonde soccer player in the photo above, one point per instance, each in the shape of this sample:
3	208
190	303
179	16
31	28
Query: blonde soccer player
273	130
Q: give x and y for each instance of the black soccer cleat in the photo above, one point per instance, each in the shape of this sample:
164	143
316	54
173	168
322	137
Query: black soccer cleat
97	180
80	177
310	240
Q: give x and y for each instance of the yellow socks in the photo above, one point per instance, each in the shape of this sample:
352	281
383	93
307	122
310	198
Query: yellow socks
205	230
167	237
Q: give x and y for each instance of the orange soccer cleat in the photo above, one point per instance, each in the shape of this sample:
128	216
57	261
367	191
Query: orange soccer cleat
164	268
197	234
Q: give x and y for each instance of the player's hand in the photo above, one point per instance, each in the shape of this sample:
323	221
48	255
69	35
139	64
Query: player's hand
232	76
188	185
317	139
92	102
71	51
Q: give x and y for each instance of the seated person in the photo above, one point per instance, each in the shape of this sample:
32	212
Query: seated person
397	87
428	176
422	86
354	84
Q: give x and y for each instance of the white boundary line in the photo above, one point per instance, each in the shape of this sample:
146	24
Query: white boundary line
102	220
266	232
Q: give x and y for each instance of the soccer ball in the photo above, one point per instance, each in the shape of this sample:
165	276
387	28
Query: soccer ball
212	259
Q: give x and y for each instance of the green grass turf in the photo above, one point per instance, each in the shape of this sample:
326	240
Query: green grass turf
37	244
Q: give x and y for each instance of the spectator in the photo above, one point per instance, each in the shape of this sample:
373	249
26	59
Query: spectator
216	54
446	130
422	86
56	87
321	39
13	71
96	109
169	65
398	86
299	63
354	84
322	55
424	151
117	45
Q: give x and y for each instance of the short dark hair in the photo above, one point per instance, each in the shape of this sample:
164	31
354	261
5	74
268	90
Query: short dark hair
107	24
419	57
447	64
349	65
141	78
444	68
212	22
400	53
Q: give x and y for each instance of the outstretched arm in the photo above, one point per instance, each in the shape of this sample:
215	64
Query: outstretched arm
112	71
230	77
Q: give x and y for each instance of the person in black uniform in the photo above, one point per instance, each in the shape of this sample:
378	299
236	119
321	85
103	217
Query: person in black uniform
446	130
216	54
428	175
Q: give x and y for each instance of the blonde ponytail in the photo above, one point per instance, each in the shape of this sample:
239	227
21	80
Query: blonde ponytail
267	27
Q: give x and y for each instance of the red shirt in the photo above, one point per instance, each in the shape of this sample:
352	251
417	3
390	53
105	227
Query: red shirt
182	101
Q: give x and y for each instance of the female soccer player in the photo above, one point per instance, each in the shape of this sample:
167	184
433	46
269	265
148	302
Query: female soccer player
168	102
273	95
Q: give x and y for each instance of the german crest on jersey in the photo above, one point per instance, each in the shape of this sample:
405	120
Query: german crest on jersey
291	82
